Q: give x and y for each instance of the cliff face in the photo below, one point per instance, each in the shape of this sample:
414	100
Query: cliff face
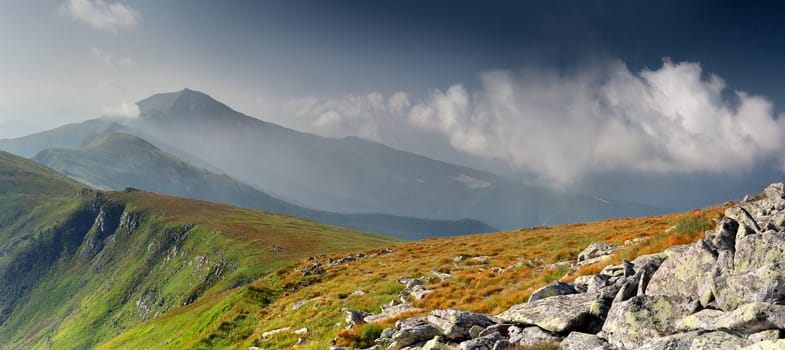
725	291
101	264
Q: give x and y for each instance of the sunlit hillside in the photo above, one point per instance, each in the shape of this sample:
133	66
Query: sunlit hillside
485	273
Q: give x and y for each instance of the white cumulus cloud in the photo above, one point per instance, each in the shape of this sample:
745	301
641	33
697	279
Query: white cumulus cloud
564	126
124	109
671	120
109	60
352	115
101	15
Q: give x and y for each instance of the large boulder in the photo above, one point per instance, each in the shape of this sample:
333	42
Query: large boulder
630	323
765	284
530	336
753	318
756	251
685	275
584	341
411	331
718	340
560	314
456	324
747	224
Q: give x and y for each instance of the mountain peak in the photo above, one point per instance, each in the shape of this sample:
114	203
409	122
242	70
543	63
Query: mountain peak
184	104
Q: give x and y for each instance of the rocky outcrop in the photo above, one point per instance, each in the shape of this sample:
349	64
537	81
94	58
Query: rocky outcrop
726	291
456	324
560	314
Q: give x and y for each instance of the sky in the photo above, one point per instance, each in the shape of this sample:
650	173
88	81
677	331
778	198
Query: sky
558	90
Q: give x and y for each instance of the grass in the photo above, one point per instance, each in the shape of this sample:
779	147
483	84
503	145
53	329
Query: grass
199	275
497	271
83	288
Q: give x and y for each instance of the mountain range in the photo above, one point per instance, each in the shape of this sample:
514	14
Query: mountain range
114	161
342	175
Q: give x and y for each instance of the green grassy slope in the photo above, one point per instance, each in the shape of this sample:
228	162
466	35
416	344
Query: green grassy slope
78	267
118	160
496	271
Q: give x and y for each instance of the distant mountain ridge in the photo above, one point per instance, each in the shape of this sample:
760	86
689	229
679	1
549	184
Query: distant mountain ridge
114	161
348	175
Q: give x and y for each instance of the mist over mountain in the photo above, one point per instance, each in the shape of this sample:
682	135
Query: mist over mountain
348	175
115	161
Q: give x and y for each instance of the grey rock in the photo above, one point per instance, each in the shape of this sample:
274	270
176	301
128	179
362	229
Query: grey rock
456	324
747	224
686	274
767	345
413	330
531	336
680	341
584	341
502	328
415	289
603	286
475	331
753	317
553	289
628	290
559	314
630	323
613	270
718	340
482	343
771	334
766	284
756	251
776	193
391	311
597	249
437	343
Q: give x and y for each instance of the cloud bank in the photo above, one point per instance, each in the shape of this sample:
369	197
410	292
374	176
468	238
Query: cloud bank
365	116
561	127
105	16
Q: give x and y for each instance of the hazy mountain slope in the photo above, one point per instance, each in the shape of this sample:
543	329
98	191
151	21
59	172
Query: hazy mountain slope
340	175
79	266
116	161
352	174
66	136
